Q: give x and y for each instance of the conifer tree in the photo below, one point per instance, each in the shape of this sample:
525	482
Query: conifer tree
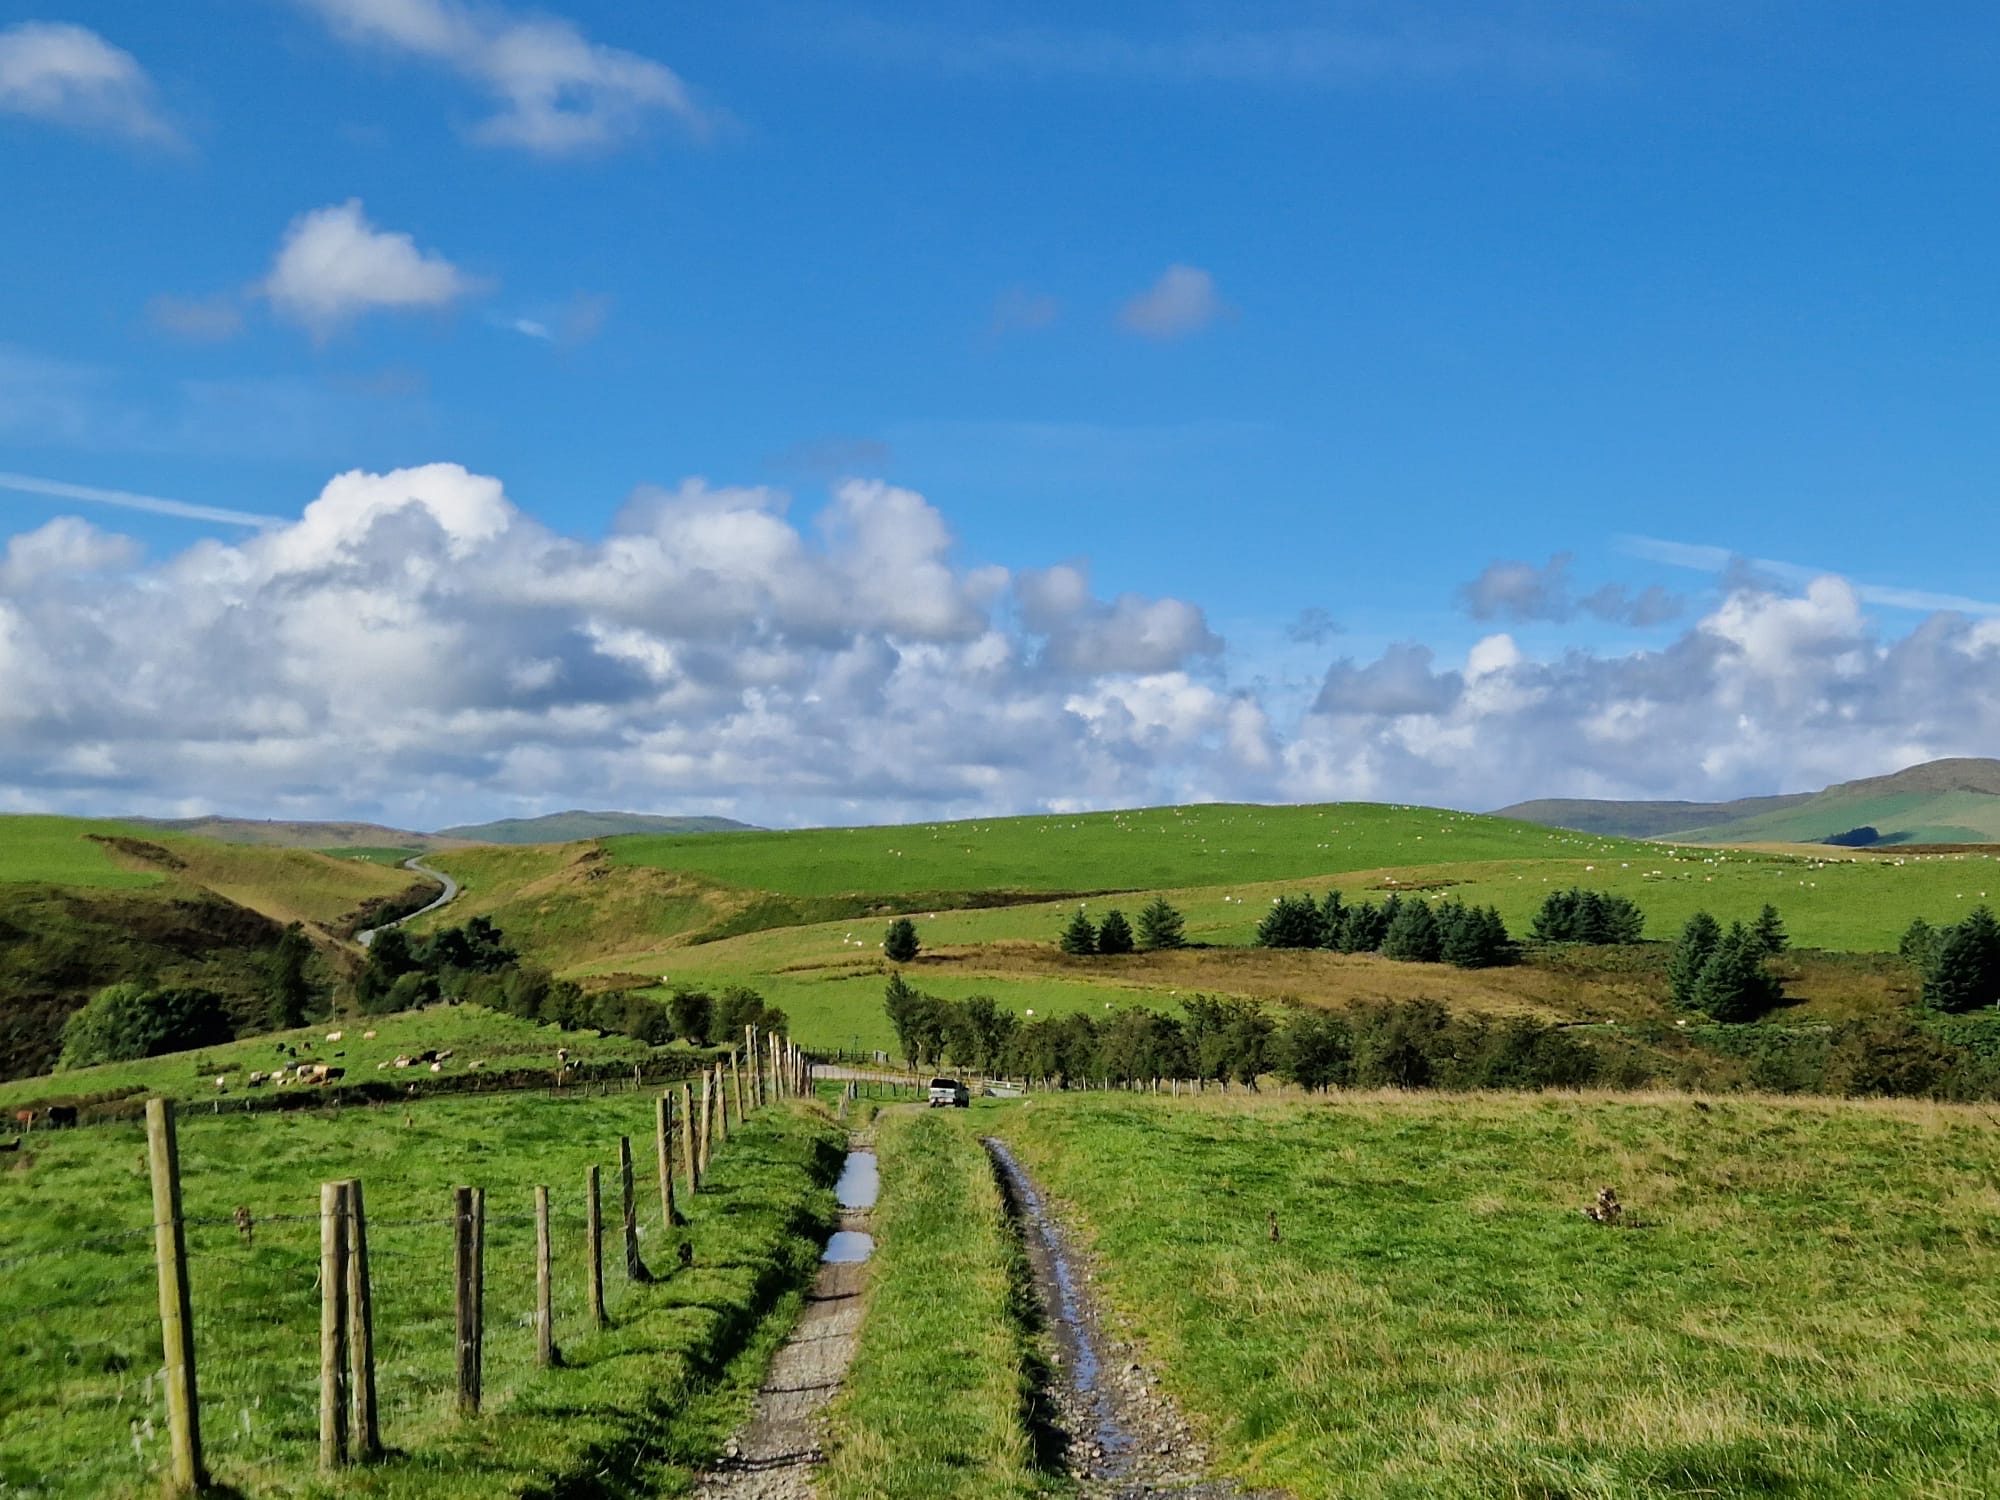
1115	934
1160	926
901	945
1332	918
1964	968
1413	936
1769	930
1691	953
1733	985
1292	922
1078	936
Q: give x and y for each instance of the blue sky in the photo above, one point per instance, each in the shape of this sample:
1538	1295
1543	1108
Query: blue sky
1305	316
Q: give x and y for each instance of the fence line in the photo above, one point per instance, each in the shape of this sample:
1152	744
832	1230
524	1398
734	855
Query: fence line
377	1286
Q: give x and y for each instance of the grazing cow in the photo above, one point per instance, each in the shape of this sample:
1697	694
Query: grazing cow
61	1115
25	1118
324	1076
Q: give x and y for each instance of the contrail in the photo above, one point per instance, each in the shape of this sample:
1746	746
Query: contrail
27	484
1704	559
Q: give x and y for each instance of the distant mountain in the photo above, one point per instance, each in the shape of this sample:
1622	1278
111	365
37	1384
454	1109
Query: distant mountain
1644	820
1939	802
565	827
279	834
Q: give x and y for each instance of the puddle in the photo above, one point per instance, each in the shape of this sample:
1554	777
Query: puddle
848	1246
1073	1326
859	1181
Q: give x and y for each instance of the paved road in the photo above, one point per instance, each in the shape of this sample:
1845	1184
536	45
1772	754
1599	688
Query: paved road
415	862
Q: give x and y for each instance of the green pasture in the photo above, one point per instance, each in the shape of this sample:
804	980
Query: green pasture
1142	850
1908	817
57	851
1803	1300
645	1402
371	854
471	1032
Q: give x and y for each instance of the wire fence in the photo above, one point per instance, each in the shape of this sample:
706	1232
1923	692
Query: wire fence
86	1355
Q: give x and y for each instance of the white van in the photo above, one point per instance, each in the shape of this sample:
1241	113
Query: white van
948	1093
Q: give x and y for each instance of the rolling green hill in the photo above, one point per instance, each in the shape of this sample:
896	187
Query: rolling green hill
568	827
1941	802
1644	820
280	834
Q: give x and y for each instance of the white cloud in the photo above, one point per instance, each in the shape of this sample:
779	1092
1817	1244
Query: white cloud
334	265
69	75
1181	302
416	645
556	91
56	489
203	319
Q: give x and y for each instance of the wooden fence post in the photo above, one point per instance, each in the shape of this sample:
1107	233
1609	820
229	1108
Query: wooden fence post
364	1429
690	1148
333	1366
185	1475
593	1234
707	1128
663	1141
635	1268
468	1247
736	1084
750	1060
546	1354
721	1108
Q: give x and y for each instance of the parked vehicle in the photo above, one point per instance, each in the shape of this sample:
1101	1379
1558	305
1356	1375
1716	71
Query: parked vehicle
948	1093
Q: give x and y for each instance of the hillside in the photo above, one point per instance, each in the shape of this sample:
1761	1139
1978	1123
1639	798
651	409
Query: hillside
85	903
282	834
1940	802
568	827
1644	820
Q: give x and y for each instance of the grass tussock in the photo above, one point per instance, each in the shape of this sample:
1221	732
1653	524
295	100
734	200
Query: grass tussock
1801	1301
933	1403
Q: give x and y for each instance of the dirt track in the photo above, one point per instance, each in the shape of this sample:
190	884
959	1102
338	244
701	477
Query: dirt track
778	1450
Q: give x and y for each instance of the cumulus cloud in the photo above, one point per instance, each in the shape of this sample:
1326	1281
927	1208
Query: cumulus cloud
1521	591
1020	310
334	266
69	75
556	91
416	645
1182	301
1771	690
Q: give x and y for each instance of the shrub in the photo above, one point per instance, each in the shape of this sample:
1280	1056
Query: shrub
127	1021
693	1013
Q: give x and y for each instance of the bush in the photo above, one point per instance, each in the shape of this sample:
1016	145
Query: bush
123	1022
693	1013
900	944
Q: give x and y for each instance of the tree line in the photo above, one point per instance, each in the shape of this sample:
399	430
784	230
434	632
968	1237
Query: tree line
1410	928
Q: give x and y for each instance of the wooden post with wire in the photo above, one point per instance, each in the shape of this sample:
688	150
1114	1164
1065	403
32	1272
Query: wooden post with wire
546	1353
663	1142
736	1084
593	1235
333	1358
635	1268
690	1148
707	1126
468	1293
186	1474
750	1061
364	1427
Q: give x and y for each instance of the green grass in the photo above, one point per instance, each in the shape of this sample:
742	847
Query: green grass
370	855
932	1406
1920	817
640	1404
472	1032
1804	1303
1147	849
59	852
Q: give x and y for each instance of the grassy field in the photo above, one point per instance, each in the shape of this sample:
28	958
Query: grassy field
636	1406
933	1403
1145	849
1803	1301
58	851
470	1031
371	854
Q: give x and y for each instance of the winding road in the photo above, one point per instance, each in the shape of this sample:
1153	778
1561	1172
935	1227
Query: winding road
414	862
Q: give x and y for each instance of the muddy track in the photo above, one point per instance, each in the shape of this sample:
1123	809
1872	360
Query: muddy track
1114	1432
776	1453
